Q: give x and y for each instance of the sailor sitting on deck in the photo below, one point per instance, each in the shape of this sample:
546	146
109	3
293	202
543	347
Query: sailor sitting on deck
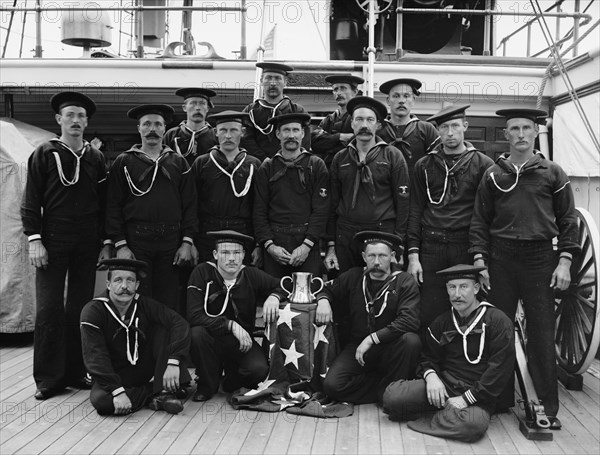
468	359
127	339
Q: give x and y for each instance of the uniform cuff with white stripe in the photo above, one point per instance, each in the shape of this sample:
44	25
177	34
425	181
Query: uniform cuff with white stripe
469	397
33	237
118	391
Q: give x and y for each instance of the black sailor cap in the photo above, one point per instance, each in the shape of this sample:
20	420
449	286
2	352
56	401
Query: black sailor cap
229	236
461	272
370	103
197	92
132	265
415	84
64	99
163	110
535	115
228	116
449	113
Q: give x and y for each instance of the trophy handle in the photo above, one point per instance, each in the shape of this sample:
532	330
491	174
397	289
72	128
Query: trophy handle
283	281
320	281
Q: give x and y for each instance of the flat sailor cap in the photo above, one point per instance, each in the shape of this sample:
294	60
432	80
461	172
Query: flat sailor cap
449	113
298	117
228	116
164	110
461	272
344	79
273	67
229	236
364	238
132	265
197	92
535	115
415	84
370	103
64	99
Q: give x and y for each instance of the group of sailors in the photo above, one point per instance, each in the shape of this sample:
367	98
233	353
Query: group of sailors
196	225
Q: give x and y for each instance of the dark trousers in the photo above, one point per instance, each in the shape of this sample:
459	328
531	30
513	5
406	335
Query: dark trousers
348	253
136	379
523	270
347	380
213	354
156	244
290	239
73	249
439	250
407	400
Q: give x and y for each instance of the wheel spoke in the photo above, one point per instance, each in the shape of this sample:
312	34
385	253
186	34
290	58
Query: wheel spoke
583	271
586	302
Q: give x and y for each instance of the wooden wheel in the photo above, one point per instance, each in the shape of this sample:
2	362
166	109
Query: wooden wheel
577	311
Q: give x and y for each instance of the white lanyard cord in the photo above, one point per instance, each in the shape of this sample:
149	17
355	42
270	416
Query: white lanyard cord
61	173
382	292
518	168
445	182
132	358
134	189
467	331
206	294
269	128
237	167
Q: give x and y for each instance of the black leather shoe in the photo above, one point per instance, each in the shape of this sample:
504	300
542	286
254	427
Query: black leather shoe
82	383
43	393
200	396
166	402
555	423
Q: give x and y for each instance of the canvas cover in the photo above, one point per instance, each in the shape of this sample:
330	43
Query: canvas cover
573	148
17	276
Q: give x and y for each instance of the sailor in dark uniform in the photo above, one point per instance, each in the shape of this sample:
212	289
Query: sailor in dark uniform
291	202
128	339
377	311
369	187
222	300
224	183
523	201
335	131
468	358
194	136
152	208
260	139
62	214
403	130
442	195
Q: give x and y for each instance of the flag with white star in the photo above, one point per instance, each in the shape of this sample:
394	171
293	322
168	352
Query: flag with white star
300	353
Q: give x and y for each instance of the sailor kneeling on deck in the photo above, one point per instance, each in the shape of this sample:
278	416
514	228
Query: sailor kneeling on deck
127	340
468	359
377	312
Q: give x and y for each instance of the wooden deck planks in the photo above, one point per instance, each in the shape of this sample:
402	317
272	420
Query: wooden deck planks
68	424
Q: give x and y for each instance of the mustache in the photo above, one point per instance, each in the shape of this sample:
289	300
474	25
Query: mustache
125	292
291	140
153	135
365	130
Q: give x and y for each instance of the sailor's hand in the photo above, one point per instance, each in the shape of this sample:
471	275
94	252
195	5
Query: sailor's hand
362	349
323	315
183	255
195	255
436	390
257	257
122	404
458	402
125	253
271	309
106	252
299	255
415	268
346	137
171	378
561	277
331	260
484	275
280	254
242	336
38	255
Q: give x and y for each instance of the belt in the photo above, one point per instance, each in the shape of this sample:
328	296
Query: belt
445	234
290	228
224	223
156	227
348	224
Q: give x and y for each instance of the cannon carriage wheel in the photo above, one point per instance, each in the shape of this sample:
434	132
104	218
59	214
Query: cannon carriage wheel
577	311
